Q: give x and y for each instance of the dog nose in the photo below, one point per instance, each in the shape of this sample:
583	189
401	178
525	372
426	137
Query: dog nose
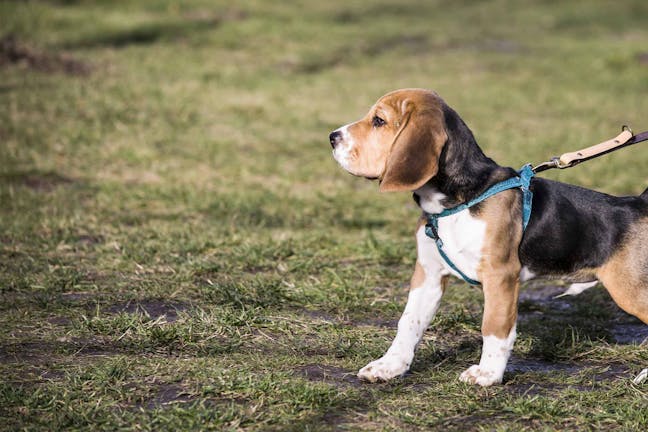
335	138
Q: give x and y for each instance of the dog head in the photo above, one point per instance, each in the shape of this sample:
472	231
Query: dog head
398	142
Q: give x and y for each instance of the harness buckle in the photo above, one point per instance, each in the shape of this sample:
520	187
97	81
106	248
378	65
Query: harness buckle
431	231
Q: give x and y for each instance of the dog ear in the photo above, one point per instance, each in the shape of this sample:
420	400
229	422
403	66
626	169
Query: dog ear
414	156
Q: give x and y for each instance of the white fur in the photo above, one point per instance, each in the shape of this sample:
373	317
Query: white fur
342	151
526	274
430	199
577	288
495	355
463	238
422	304
462	234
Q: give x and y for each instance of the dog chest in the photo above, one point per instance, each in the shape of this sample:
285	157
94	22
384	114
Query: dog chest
463	239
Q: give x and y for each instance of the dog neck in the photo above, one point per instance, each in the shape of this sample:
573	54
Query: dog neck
464	170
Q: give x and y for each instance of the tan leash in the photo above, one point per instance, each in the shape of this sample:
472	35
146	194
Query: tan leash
567	160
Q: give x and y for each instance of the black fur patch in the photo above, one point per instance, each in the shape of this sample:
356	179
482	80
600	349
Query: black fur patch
573	228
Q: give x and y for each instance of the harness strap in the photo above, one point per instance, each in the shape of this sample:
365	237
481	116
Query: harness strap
521	181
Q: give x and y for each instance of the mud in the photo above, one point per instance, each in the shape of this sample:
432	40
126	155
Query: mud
630	332
78	297
45	352
538	299
330	374
152	308
537	294
374	322
528	387
522	365
168	394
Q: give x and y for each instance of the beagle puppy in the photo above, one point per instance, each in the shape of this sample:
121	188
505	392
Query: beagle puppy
410	140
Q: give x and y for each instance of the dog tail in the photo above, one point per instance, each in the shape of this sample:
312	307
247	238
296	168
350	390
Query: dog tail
644	195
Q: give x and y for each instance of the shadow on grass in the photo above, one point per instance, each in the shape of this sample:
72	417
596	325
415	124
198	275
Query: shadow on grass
271	210
558	324
152	32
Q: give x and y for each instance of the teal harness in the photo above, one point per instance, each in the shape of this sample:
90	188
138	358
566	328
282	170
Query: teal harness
521	181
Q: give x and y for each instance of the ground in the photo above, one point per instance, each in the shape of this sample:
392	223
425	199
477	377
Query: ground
178	249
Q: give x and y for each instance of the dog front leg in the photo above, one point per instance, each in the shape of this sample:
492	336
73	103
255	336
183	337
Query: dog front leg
498	330
426	288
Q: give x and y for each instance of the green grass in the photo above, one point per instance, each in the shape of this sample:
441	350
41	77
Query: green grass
179	250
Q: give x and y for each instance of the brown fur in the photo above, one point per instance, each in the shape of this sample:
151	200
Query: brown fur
414	155
403	154
418	277
625	274
500	266
419	273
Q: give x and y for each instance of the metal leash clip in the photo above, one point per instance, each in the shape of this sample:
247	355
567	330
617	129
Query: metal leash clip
567	160
554	162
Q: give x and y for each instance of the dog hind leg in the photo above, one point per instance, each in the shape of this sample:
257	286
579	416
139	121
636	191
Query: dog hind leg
625	274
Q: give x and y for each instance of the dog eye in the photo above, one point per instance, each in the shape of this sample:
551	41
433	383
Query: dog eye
377	121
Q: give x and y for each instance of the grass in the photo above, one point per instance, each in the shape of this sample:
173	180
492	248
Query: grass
178	250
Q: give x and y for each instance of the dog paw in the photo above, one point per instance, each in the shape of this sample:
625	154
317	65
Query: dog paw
477	375
384	369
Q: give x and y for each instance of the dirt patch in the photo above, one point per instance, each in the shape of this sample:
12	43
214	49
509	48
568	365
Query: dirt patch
630	331
168	394
59	321
93	348
329	374
522	365
45	182
601	372
642	58
44	352
375	322
37	181
539	300
596	372
319	317
77	297
89	240
13	51
541	294
153	308
27	352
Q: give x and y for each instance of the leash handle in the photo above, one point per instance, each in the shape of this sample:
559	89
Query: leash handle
571	158
567	160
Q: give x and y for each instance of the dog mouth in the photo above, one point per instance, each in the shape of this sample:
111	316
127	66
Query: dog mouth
342	157
343	161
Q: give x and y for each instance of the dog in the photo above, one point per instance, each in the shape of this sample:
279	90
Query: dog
411	140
